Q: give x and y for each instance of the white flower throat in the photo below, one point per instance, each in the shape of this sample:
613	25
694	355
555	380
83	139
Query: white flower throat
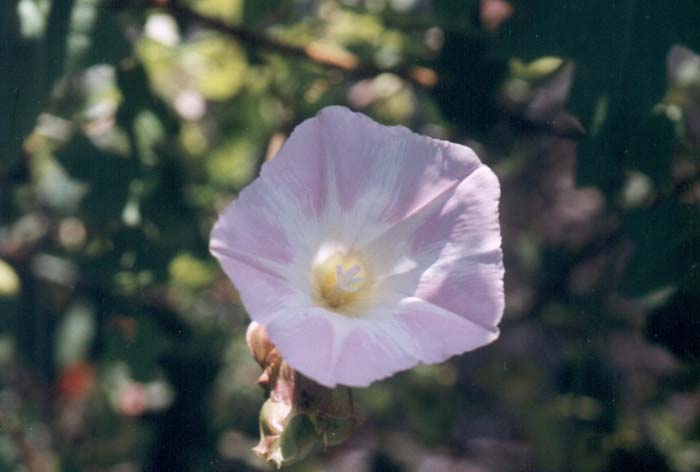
341	280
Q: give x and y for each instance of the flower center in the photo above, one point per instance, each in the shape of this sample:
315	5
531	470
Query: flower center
341	279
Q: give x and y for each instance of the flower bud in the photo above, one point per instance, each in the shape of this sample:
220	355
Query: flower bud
335	430
299	414
285	436
298	439
332	413
259	344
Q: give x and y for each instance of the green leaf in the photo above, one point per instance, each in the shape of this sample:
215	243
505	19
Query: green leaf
141	347
652	149
469	80
666	249
256	11
298	439
108	176
619	49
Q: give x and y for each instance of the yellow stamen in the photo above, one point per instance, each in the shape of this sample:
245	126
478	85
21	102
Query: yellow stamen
341	279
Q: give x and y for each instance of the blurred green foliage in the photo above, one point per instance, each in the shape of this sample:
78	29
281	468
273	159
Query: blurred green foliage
127	125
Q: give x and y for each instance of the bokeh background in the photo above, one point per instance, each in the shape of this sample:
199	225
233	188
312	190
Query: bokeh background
125	126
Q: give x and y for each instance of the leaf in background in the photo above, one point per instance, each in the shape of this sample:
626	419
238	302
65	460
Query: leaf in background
140	347
9	280
96	36
107	175
216	66
456	14
469	81
23	82
666	249
682	101
75	334
261	11
75	33
227	10
651	150
676	326
619	49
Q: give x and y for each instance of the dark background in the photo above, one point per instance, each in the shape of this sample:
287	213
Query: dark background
125	126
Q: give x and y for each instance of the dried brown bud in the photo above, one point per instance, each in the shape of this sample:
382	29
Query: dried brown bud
299	415
259	343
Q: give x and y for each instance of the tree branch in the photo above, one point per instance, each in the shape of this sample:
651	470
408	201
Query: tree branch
327	56
335	58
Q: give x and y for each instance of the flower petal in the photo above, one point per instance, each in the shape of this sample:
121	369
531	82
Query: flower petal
255	248
449	252
440	333
373	350
467	276
305	338
379	174
269	230
298	169
423	213
333	349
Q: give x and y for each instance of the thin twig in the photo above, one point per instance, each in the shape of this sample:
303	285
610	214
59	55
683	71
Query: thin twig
321	54
334	58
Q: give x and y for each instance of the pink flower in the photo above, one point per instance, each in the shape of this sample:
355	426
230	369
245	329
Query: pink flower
366	249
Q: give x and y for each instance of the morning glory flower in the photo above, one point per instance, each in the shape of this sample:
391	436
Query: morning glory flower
365	249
